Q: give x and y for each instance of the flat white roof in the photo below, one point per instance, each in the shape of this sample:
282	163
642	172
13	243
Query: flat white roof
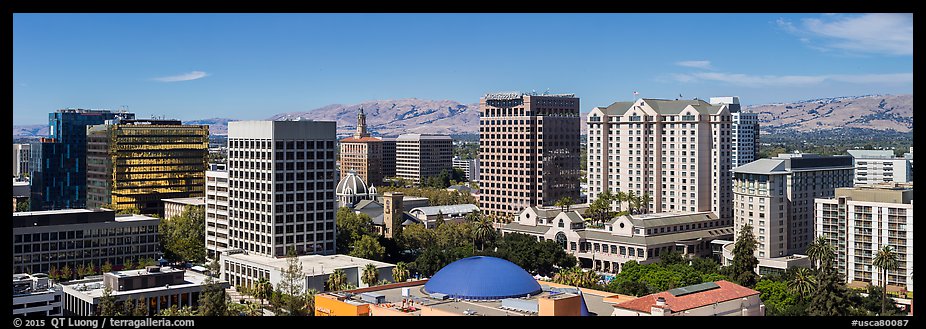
311	264
54	212
198	201
132	218
94	288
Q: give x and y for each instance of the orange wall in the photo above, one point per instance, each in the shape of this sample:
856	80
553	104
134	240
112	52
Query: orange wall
327	305
562	306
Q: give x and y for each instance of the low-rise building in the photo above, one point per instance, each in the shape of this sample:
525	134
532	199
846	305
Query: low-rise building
159	287
34	294
719	298
72	237
242	269
641	238
430	215
174	207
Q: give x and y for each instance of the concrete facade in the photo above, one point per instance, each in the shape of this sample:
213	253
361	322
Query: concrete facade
419	156
880	166
216	210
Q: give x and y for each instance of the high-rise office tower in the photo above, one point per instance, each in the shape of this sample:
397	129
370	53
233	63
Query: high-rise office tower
859	221
675	151
389	145
745	131
216	210
59	165
362	154
22	155
133	164
776	197
419	156
281	182
528	151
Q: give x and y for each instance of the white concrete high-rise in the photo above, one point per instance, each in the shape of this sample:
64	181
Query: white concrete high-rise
859	221
419	156
22	155
880	166
281	177
676	151
216	210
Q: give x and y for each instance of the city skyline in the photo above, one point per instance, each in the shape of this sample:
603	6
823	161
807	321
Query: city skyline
246	66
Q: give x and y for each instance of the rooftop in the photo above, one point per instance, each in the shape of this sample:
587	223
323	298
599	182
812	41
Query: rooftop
134	217
872	154
361	140
93	287
311	264
449	209
199	201
690	297
57	212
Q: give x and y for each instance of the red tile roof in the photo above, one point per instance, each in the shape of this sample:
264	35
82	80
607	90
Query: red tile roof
360	140
727	291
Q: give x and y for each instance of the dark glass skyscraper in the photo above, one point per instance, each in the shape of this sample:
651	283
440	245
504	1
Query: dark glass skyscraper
59	169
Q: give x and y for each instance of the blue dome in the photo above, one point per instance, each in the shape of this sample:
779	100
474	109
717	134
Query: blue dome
480	278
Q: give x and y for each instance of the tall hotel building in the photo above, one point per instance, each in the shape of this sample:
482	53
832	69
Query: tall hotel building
59	162
776	196
678	152
859	221
362	154
528	151
216	210
745	131
136	163
281	178
419	156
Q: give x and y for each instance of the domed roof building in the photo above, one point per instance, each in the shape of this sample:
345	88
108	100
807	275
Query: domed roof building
351	189
482	278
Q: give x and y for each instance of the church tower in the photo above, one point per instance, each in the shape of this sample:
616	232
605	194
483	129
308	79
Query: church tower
361	125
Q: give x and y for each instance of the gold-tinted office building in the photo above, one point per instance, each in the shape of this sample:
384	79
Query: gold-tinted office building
136	163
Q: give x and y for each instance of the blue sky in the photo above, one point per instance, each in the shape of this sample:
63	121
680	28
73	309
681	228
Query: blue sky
250	66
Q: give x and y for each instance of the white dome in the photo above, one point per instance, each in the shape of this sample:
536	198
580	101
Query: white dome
351	185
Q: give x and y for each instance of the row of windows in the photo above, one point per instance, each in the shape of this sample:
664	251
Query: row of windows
81	234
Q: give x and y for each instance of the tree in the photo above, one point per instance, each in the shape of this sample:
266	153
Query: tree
802	282
351	228
290	285
337	280
107	267
182	237
671	257
23	205
400	272
483	231
213	301
744	258
368	248
175	311
620	197
631	201
644	202
309	298
820	251
141	307
886	260
830	297
107	302
777	296
66	273
416	237
53	273
370	274
263	289
564	203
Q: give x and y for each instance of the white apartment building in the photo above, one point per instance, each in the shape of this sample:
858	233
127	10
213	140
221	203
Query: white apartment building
677	151
419	156
35	295
216	210
22	155
470	167
745	131
880	166
281	181
859	221
776	196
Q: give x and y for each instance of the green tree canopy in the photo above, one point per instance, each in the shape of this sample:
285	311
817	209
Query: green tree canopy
368	248
182	237
744	258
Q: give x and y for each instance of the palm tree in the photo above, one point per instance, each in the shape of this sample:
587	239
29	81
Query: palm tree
483	231
620	197
630	198
802	282
263	290
309	298
370	274
820	251
645	200
564	203
400	272
886	260
337	280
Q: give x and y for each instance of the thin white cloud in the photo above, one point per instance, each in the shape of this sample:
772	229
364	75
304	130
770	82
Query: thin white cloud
747	80
696	64
889	34
183	77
